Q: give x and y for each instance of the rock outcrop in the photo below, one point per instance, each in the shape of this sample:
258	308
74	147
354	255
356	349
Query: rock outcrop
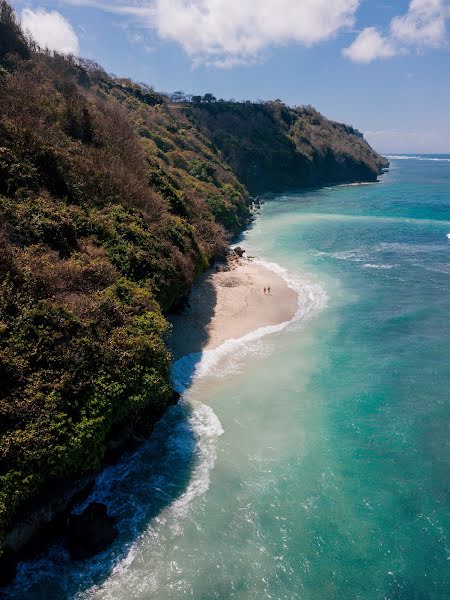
8	567
90	532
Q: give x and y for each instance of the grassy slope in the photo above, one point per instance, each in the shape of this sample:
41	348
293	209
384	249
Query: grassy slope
112	201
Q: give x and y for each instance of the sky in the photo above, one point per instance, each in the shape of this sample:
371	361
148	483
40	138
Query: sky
382	66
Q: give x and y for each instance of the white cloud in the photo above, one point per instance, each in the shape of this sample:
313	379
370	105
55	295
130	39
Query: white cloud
230	31
50	30
423	26
226	32
368	46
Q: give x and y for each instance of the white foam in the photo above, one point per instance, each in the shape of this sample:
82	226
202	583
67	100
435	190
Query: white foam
372	266
358	184
369	254
192	438
426	158
355	255
448	236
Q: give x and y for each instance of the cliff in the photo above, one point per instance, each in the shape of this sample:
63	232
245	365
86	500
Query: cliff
112	201
272	147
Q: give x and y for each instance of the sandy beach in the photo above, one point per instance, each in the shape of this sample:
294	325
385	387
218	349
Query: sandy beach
227	305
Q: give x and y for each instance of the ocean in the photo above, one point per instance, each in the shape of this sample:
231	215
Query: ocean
309	460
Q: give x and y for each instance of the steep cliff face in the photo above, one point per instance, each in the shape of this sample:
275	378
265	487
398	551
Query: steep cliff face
272	147
112	201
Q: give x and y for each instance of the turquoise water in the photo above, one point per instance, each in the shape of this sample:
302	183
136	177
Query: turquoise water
311	461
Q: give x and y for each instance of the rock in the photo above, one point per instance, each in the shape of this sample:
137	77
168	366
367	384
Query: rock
223	268
38	526
239	251
47	521
8	567
91	532
222	254
175	398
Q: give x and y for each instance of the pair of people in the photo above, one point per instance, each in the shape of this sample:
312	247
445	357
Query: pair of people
267	290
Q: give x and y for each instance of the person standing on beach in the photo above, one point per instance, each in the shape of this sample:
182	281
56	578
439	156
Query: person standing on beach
268	290
264	291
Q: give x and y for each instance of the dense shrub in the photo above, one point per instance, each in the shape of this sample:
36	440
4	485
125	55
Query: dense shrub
99	232
273	147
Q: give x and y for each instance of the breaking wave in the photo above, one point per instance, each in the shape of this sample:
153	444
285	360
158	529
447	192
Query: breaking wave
426	158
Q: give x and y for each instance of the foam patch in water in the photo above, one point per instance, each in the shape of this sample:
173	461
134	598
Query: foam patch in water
424	158
371	266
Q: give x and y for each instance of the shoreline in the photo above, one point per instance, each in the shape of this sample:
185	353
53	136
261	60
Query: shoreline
228	303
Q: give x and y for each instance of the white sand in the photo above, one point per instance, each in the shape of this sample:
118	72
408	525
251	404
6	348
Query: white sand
228	305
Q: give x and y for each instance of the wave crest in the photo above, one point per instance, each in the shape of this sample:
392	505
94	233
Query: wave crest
411	157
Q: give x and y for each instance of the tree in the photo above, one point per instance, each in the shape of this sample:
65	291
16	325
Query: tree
11	37
178	96
209	98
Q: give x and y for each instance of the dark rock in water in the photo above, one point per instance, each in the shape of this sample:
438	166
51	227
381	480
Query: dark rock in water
91	532
8	567
175	398
239	251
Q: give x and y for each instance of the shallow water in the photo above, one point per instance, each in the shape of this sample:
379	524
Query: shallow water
309	460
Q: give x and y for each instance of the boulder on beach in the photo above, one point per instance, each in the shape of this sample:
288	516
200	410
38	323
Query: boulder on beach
239	251
90	532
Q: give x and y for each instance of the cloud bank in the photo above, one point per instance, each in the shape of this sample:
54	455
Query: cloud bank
50	30
228	32
423	26
237	31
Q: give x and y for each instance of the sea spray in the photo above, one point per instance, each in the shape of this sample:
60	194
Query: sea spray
420	158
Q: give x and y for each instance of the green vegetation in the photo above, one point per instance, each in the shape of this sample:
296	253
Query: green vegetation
112	201
273	147
103	226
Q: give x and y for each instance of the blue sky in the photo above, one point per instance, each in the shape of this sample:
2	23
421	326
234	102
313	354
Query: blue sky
381	66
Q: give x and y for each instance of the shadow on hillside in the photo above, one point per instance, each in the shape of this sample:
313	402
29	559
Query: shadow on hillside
156	480
190	324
